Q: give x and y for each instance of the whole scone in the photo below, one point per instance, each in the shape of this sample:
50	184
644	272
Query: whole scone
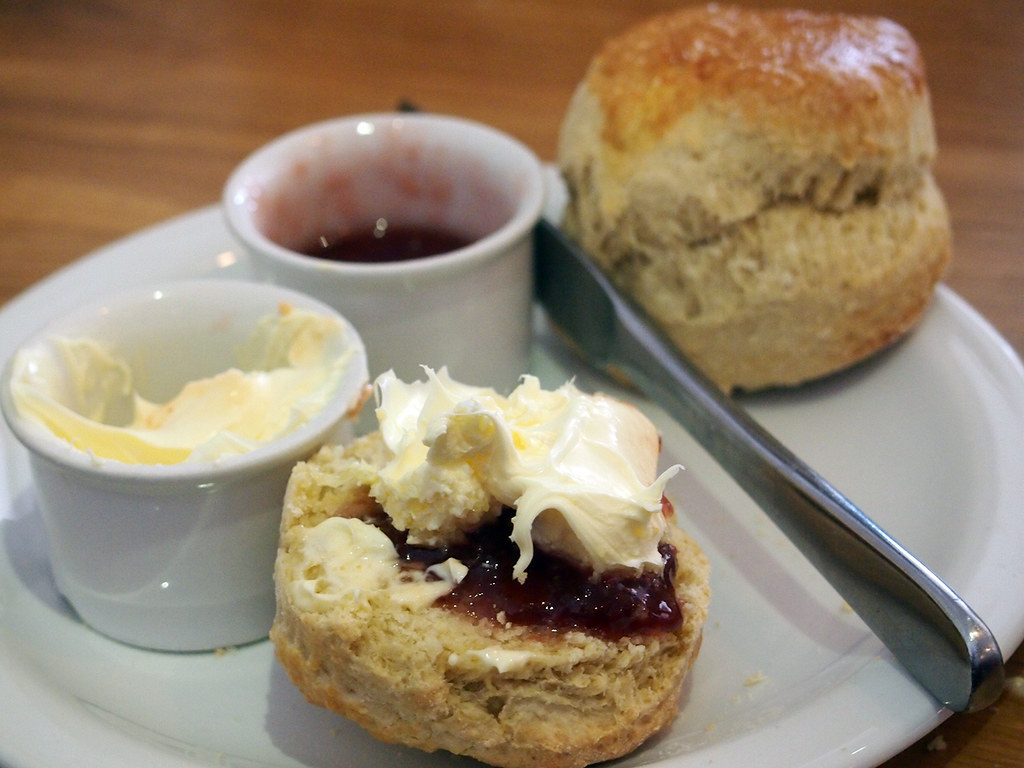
363	632
760	182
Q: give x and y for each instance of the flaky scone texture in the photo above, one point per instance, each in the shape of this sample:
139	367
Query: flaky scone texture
419	675
760	182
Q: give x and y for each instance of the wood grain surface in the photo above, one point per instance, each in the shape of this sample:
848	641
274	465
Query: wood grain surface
118	114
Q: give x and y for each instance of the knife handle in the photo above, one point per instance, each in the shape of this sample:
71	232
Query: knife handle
931	631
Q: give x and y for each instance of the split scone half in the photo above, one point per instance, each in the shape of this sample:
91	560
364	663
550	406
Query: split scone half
496	577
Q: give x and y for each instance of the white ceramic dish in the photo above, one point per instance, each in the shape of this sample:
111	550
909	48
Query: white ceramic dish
926	438
176	556
350	174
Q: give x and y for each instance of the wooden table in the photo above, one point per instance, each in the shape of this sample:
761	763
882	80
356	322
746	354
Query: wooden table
117	114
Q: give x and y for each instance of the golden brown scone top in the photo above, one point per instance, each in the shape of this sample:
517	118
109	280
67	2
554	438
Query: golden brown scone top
797	71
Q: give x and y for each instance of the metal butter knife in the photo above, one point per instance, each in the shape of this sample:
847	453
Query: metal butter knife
931	631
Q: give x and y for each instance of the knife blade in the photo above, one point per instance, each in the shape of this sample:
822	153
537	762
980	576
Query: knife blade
926	626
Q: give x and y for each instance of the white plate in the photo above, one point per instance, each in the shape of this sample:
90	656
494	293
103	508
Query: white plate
926	438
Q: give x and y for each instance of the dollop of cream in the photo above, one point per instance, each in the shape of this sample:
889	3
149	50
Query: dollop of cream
495	657
346	560
580	470
85	394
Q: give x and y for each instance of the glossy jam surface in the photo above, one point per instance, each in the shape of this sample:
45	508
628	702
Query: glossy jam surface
556	594
386	242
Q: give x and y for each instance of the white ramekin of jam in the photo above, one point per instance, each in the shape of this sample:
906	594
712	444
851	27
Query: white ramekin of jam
417	227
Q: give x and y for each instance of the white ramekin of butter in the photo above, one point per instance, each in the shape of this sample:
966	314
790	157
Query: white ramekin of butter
162	424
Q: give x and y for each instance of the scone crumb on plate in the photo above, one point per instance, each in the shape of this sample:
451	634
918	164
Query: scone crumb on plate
755	679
